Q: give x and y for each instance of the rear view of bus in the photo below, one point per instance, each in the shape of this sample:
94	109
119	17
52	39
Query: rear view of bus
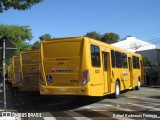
62	72
16	71
29	67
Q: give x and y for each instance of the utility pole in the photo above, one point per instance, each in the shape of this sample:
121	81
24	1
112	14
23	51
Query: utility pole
4	72
5	45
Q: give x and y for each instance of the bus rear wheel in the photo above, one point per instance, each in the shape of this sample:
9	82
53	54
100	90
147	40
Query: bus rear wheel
117	90
138	86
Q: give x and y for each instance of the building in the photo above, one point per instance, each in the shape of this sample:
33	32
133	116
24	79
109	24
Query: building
146	49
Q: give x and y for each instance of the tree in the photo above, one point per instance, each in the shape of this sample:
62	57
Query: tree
94	35
36	44
17	4
110	38
45	37
125	37
18	35
146	61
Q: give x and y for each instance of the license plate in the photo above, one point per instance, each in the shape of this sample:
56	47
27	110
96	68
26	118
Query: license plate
62	89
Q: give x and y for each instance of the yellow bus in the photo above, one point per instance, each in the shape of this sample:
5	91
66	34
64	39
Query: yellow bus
16	71
87	67
29	69
10	73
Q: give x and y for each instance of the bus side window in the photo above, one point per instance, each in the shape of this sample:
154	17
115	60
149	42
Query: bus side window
95	56
135	62
129	63
138	63
124	60
118	59
113	59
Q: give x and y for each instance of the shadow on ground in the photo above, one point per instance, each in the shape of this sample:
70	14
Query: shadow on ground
37	103
156	97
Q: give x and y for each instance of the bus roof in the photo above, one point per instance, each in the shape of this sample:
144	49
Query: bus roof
29	51
14	60
92	41
112	47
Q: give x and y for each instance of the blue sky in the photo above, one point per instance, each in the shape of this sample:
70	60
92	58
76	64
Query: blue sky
65	18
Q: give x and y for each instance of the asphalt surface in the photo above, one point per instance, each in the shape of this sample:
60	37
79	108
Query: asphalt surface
140	105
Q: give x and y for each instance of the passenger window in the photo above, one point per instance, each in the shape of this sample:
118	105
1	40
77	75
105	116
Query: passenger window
113	58
138	65
95	56
124	60
135	61
118	59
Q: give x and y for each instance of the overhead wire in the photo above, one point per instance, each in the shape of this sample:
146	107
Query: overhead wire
131	15
141	13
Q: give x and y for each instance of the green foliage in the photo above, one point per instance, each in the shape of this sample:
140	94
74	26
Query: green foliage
45	37
17	4
17	35
110	38
36	44
146	61
107	37
15	32
94	35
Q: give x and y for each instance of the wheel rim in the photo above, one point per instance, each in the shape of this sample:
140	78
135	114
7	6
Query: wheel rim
117	89
139	84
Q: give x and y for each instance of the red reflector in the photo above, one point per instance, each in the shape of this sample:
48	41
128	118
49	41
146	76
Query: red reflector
53	70
83	90
41	89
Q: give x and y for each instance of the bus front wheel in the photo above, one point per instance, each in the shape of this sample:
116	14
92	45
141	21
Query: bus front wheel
117	90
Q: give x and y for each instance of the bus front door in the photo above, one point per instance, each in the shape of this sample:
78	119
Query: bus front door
105	59
130	71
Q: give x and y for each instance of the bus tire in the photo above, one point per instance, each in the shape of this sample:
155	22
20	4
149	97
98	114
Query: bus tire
138	86
117	90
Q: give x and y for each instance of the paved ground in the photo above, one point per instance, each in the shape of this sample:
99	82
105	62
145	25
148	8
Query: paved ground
10	105
140	105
